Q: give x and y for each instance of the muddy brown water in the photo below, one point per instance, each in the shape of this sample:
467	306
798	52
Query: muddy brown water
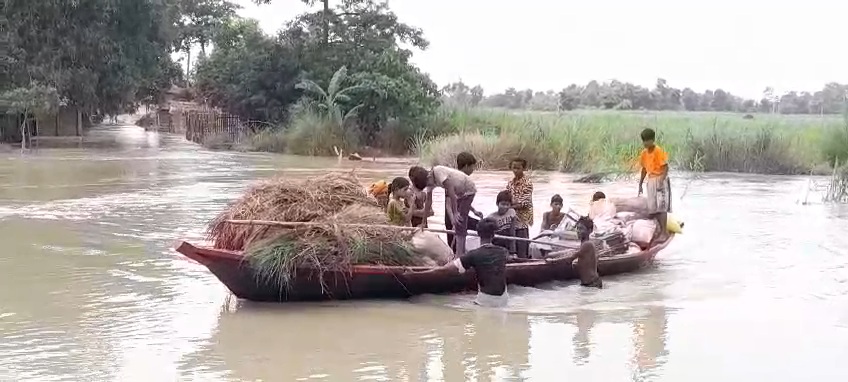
90	289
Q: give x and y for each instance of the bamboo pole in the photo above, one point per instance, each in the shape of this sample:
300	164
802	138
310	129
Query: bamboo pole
399	228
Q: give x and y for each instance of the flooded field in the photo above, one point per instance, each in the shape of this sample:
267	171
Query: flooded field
756	289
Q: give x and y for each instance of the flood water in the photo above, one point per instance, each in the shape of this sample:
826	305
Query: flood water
756	289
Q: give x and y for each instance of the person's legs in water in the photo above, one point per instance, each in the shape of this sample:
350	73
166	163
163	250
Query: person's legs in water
522	248
595	284
449	227
461	228
471	224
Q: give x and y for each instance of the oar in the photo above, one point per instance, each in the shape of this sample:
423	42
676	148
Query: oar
399	228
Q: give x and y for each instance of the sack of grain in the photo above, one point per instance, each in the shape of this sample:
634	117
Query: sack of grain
430	245
642	231
638	204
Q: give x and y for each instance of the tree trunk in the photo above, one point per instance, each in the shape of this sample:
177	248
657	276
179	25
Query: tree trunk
23	134
188	64
326	21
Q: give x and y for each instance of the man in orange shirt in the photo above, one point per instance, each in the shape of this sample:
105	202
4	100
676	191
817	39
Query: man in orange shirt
654	161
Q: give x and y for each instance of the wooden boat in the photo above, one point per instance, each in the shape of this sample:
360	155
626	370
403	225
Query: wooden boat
376	281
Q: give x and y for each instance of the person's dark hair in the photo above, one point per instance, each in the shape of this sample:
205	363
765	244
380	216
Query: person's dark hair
486	228
648	135
397	184
464	159
556	199
598	196
503	196
520	161
587	223
418	175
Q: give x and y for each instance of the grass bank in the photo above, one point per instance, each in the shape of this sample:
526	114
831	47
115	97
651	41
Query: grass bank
580	141
597	141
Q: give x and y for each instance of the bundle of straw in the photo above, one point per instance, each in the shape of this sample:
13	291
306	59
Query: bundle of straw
284	199
333	246
331	202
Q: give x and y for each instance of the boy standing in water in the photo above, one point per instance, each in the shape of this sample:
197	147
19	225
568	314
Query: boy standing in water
521	190
489	263
654	161
586	256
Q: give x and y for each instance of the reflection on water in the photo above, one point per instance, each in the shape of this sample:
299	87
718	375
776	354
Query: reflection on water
756	289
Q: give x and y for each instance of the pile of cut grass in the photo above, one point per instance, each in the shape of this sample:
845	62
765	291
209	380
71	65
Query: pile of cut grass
342	226
282	199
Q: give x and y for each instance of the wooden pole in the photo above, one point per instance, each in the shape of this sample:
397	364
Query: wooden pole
399	228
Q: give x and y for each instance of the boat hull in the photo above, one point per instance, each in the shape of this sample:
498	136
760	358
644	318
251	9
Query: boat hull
383	282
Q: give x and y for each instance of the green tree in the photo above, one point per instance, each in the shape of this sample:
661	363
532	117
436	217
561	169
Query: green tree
97	54
30	102
326	15
365	37
198	23
249	73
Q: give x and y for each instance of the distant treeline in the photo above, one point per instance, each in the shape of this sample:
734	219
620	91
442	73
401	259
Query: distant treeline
617	95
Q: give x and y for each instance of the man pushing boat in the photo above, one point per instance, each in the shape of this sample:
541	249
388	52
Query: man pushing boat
586	255
489	263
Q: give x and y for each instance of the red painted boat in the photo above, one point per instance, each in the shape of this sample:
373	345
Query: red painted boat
376	281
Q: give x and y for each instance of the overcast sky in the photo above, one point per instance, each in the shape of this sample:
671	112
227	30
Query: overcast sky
741	46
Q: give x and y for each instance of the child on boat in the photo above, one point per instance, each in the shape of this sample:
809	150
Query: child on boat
586	255
505	217
418	201
396	209
654	162
521	189
489	263
602	211
551	219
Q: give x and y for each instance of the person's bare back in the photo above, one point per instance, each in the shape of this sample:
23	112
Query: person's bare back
586	256
587	265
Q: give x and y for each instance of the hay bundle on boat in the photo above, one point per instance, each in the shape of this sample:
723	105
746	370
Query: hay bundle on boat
282	199
342	226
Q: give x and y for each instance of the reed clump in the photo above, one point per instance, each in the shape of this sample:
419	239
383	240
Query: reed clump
837	187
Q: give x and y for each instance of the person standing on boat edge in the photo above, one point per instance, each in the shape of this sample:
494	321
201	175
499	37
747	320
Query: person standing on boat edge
489	263
521	189
462	159
459	195
654	162
586	255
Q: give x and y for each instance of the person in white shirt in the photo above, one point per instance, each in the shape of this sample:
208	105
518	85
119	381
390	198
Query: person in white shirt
459	194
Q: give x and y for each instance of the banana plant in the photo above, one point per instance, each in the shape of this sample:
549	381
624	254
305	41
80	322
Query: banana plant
331	101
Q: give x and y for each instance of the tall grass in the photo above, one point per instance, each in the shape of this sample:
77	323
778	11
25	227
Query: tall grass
581	141
609	141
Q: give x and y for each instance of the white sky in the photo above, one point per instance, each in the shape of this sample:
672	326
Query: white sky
741	46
